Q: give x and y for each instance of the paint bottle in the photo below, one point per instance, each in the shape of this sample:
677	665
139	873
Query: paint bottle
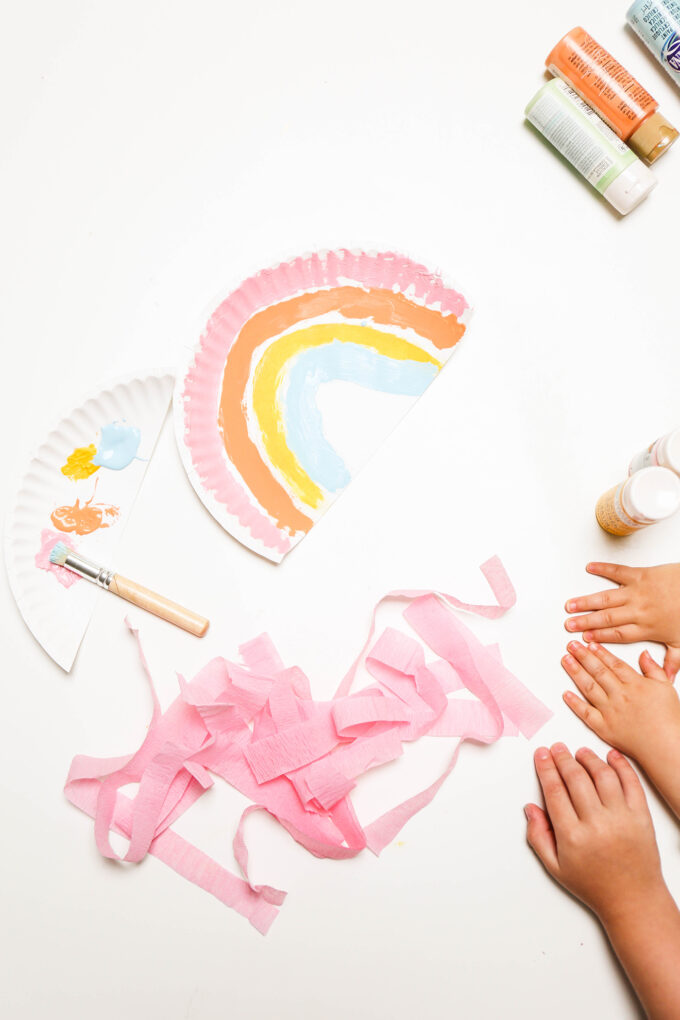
657	22
665	452
647	496
613	93
591	147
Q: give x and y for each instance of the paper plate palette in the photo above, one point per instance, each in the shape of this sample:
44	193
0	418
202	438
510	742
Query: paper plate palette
298	376
79	488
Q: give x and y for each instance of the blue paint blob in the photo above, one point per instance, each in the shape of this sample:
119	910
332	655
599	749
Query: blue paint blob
118	446
343	362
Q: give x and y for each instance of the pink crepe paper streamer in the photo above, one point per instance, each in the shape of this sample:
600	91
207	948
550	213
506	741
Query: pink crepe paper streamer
257	726
268	893
451	639
497	579
184	858
286	751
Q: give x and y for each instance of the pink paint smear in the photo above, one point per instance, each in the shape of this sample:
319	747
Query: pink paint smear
203	384
48	540
257	726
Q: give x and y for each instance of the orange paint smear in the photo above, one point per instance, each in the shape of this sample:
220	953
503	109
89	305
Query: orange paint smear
83	520
382	306
79	463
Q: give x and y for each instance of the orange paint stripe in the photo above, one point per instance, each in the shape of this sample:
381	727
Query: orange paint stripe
382	306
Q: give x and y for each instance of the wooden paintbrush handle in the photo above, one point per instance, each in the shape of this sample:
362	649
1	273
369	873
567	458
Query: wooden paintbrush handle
158	605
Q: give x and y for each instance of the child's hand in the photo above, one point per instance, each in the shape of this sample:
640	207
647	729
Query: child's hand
646	607
638	714
596	836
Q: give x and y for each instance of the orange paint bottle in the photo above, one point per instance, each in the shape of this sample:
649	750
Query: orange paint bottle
613	93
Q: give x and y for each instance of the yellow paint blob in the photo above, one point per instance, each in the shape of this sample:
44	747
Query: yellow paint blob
271	372
79	463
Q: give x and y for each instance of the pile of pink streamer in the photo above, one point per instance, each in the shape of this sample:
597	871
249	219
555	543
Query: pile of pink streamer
257	726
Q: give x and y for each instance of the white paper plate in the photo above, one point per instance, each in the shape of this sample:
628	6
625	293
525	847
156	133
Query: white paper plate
266	475
58	616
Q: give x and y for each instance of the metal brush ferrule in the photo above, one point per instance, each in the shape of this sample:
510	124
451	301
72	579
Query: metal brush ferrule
86	568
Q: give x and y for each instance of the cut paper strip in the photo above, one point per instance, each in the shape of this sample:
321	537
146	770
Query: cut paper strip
497	579
450	638
289	749
256	725
267	416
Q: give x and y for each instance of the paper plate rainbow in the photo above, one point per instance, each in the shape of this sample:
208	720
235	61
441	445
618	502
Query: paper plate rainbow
272	415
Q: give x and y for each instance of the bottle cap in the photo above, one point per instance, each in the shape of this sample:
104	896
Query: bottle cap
652	494
654	136
628	189
669	451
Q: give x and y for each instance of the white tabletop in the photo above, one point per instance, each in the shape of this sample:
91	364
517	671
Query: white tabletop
154	154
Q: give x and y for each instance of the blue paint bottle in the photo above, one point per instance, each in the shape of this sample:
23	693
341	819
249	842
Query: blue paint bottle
657	22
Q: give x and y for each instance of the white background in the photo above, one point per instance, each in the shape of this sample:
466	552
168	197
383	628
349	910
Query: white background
152	155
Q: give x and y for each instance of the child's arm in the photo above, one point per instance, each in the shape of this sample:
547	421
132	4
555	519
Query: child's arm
638	714
597	839
645	607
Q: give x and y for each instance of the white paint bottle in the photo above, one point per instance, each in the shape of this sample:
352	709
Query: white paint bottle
645	497
590	145
665	452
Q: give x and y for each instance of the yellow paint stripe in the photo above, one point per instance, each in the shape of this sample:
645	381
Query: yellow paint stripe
271	372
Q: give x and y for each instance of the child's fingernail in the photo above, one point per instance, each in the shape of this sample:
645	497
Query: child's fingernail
571	625
569	660
587	635
542	753
571	606
572	646
527	812
592	646
559	748
568	695
614	753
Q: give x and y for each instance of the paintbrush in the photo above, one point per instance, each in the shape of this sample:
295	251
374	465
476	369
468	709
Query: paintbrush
62	556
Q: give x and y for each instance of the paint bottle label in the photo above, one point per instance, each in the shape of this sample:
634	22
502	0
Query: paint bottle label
601	81
630	101
657	22
646	458
611	516
579	134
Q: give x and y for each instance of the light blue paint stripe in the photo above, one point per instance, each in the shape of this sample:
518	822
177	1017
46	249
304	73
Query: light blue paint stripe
343	362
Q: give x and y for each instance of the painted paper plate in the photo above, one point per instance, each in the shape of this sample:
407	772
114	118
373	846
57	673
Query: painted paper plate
298	376
79	488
